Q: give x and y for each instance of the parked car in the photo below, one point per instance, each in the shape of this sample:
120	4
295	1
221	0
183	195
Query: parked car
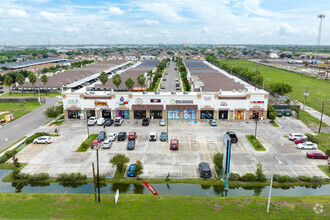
177	89
92	121
100	121
145	121
43	140
163	136
153	136
293	136
131	145
213	122
162	122
307	146
95	143
101	136
279	113
107	144
122	136
316	155
164	79
112	136
130	170
233	137
163	87
300	140
1	91
287	113
108	122
131	136
174	145
118	121
1	87
204	170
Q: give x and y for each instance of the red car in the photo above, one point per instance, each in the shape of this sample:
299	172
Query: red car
316	155
174	145
95	143
132	136
300	140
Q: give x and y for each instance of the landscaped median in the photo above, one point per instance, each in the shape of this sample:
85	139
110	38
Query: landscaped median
325	169
86	144
255	143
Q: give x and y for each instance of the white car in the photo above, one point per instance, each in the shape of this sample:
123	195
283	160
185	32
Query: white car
162	122
100	121
112	136
307	146
153	136
92	121
118	121
213	122
293	136
43	140
107	144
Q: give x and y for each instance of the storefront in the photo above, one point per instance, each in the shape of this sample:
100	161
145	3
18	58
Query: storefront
173	114
106	113
74	114
123	112
139	114
181	111
253	114
148	111
239	114
223	114
156	114
207	114
189	114
90	113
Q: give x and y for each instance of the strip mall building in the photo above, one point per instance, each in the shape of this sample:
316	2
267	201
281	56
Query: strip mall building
215	95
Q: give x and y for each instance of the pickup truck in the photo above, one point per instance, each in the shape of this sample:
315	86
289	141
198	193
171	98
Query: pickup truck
233	137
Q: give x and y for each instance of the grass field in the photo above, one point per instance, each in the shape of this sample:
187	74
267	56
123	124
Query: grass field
318	89
325	169
42	94
274	124
77	206
309	120
255	143
82	148
17	108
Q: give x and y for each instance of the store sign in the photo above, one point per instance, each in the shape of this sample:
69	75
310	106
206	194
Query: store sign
100	104
155	100
73	101
207	99
223	104
181	101
256	102
122	101
139	101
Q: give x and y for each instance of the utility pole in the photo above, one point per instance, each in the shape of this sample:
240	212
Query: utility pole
98	174
305	94
321	117
94	181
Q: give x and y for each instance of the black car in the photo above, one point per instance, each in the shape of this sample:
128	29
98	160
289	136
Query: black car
145	121
108	122
101	136
163	136
204	170
122	136
130	145
1	91
233	137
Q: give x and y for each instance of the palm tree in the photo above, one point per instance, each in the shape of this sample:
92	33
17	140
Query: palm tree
20	79
141	80
116	79
129	83
32	79
149	74
103	78
8	82
44	80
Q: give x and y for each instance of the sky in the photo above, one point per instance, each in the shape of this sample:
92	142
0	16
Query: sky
29	22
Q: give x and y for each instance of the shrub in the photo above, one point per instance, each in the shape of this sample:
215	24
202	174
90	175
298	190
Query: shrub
9	154
283	179
316	179
217	160
102	177
260	177
84	145
30	139
233	176
305	178
248	177
65	177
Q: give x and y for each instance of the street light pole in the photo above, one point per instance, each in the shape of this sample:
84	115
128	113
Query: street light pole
87	126
98	174
321	117
271	182
255	131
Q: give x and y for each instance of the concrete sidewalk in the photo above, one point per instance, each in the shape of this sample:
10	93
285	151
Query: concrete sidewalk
316	114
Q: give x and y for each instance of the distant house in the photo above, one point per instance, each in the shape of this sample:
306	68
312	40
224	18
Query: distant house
273	56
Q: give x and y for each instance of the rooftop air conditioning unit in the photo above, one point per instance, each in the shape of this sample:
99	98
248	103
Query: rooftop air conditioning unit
234	90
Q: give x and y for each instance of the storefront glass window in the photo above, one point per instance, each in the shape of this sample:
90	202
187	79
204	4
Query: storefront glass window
173	114
106	113
253	113
73	114
156	114
207	114
239	114
139	114
189	114
122	113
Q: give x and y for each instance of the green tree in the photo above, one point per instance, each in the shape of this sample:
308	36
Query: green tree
32	78
51	112
15	162
149	74
20	79
44	80
141	80
271	112
103	78
119	160
129	83
260	176
34	54
45	70
8	82
138	170
280	88
116	79
217	160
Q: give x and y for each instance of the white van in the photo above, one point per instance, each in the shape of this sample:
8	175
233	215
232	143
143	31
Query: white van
153	136
293	136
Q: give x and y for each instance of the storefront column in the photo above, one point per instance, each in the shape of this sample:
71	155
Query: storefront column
181	115
165	114
216	115
65	114
114	115
82	114
246	114
131	114
264	114
231	114
147	113
98	113
198	114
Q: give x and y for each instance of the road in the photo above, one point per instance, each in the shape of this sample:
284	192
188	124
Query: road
170	78
20	127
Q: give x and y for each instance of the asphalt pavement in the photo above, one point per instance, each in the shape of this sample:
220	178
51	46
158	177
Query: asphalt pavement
20	127
170	78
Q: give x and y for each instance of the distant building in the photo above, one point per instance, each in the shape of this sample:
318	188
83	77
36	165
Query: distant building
273	55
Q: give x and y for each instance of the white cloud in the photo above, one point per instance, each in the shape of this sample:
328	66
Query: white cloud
17	30
242	30
17	13
115	11
206	30
253	6
148	22
72	29
48	15
285	28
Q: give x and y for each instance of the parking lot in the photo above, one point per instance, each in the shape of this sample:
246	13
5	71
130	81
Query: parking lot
198	142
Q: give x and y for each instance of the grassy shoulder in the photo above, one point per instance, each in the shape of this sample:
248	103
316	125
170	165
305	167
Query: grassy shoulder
119	175
309	120
18	109
274	124
325	169
322	140
86	144
13	144
69	206
255	143
57	123
42	94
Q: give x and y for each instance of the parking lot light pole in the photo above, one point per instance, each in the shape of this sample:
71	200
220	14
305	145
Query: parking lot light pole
271	182
255	131
98	173
87	126
167	126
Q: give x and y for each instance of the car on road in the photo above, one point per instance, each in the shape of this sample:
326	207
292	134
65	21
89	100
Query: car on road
174	144
178	89
163	87
122	136
108	122
166	73
101	136
95	143
100	121
92	121
1	87
293	136
163	136
307	146
107	144
233	137
130	170
300	140
43	140
112	136
162	122
316	155
213	122
118	121
131	145
131	136
153	136
204	170
145	121
164	79
1	91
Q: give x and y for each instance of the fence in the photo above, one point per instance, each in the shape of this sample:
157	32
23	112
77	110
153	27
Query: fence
22	99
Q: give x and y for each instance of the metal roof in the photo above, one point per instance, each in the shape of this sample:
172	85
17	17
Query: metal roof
26	63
